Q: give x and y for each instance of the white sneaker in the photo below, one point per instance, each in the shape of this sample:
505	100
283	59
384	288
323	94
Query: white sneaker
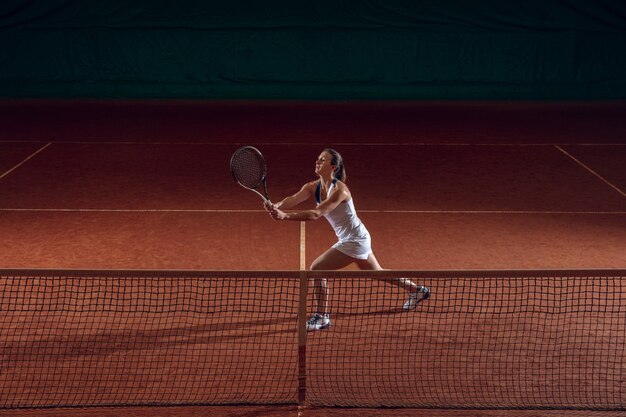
318	322
422	293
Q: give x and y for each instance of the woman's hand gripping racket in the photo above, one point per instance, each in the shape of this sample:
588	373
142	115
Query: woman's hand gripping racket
247	165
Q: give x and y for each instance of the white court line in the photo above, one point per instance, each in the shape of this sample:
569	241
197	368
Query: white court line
302	246
592	171
25	160
416	144
226	211
491	212
96	210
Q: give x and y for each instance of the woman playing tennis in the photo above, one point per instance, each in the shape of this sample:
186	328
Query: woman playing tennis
334	202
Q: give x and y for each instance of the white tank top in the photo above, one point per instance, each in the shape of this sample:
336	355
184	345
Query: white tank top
343	218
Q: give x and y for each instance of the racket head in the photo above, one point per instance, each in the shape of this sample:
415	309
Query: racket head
247	166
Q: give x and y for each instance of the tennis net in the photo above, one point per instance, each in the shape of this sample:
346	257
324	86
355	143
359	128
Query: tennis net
485	339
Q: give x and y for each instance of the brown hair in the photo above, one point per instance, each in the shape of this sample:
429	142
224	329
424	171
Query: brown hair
337	160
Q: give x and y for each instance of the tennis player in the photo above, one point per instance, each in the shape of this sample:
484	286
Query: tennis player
334	202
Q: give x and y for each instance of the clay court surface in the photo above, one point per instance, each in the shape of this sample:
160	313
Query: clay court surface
441	186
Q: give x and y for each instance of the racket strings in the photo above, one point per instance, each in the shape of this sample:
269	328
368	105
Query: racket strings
248	167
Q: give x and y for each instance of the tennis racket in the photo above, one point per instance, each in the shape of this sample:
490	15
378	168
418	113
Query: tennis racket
247	165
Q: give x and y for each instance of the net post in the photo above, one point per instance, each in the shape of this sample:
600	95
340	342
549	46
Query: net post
302	337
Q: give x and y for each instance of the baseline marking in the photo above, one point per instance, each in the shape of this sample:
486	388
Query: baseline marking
416	144
302	227
96	210
592	171
25	160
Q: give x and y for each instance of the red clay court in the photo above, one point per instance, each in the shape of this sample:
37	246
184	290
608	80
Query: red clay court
489	185
441	186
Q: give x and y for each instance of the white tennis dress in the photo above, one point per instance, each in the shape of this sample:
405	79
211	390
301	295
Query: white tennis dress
354	239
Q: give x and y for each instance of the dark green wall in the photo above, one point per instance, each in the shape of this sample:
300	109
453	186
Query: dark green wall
571	49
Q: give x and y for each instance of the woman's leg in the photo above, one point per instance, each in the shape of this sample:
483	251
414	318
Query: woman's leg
330	260
371	263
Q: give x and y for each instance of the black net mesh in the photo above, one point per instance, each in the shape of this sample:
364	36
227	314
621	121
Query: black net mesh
518	340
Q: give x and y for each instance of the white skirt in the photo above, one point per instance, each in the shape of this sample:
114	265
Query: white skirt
355	248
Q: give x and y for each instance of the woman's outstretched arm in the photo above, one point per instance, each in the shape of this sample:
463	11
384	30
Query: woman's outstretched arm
325	207
301	196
